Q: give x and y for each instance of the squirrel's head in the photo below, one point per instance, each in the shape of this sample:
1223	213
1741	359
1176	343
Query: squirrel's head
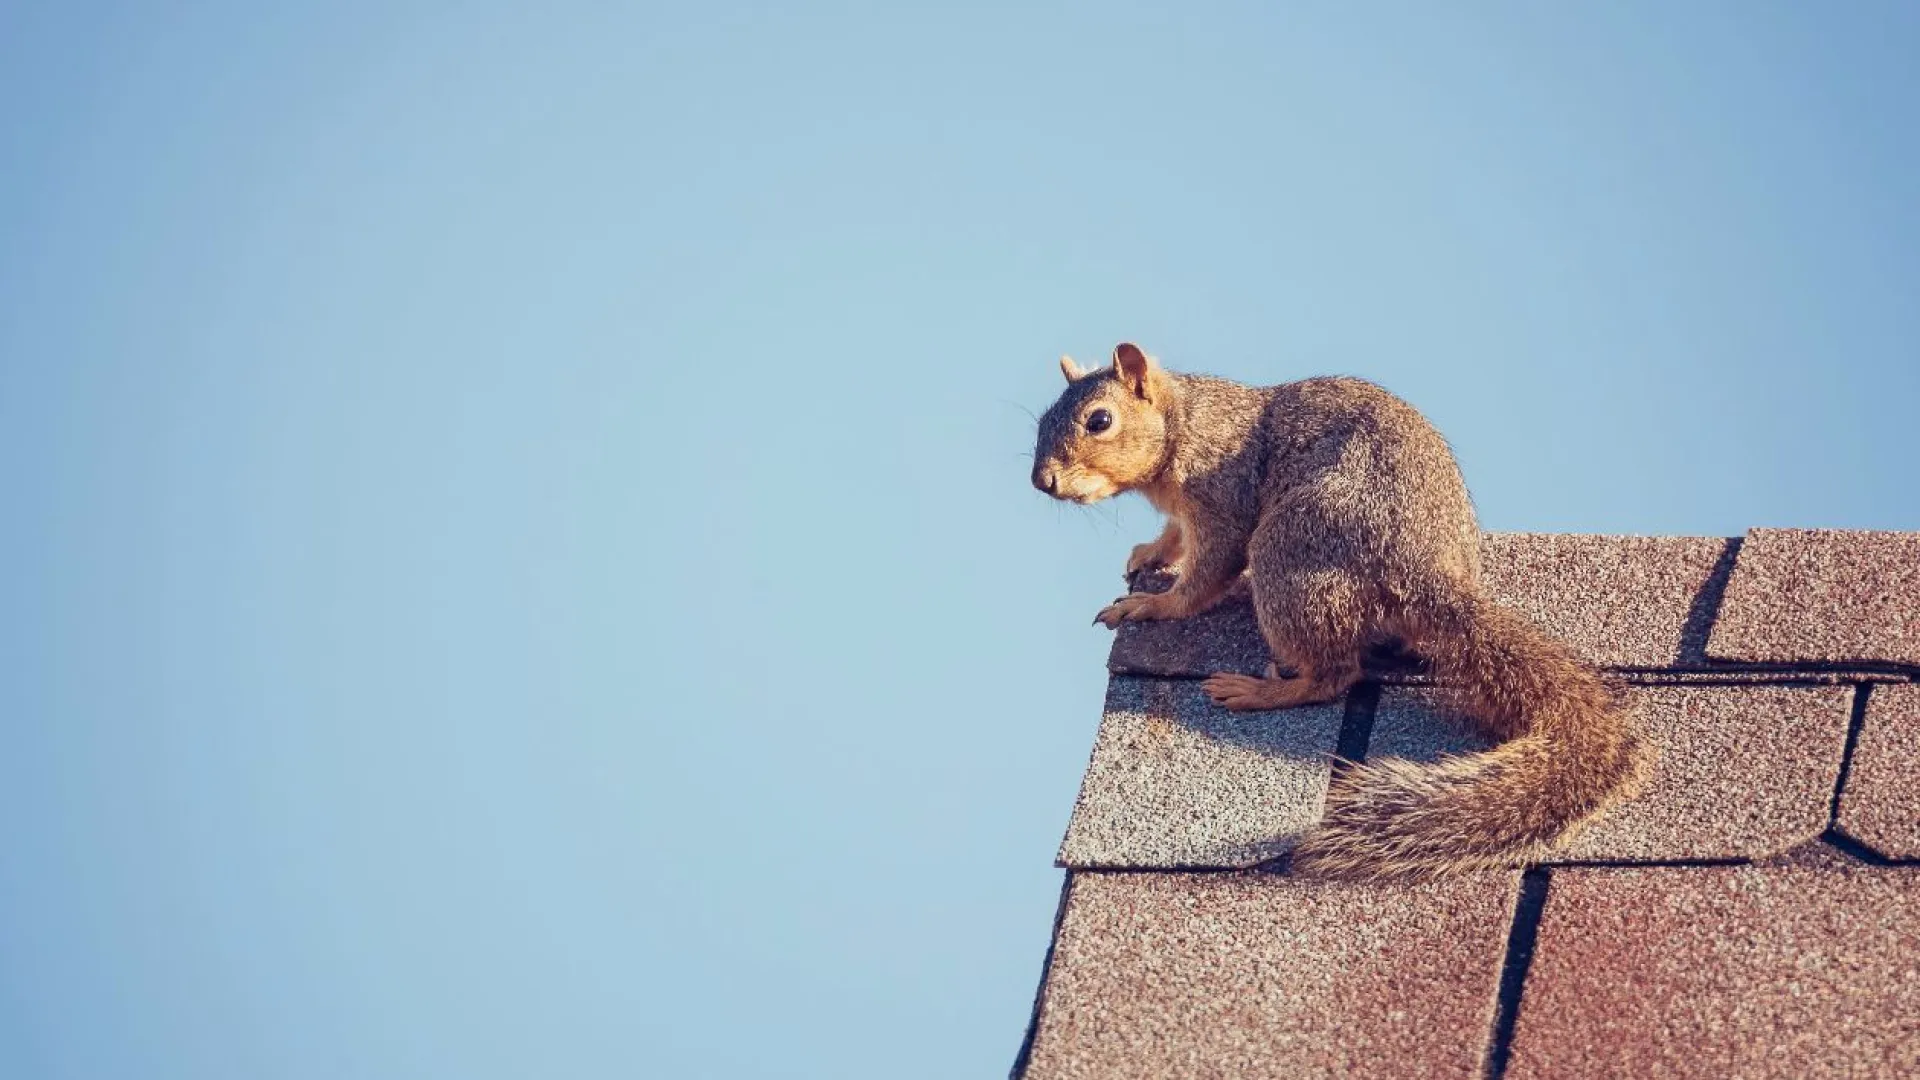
1108	431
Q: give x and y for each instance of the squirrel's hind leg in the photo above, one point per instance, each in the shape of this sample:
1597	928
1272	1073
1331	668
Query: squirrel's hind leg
1314	617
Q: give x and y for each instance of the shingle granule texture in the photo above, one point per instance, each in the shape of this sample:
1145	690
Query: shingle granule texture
1254	975
1743	771
1753	912
1416	724
1822	595
1176	781
1881	804
1742	971
1621	601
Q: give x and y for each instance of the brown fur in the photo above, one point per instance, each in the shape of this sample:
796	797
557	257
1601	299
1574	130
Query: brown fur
1349	513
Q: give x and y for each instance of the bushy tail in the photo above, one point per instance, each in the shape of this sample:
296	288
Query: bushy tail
1568	751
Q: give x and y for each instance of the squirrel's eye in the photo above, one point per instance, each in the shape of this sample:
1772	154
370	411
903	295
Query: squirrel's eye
1099	420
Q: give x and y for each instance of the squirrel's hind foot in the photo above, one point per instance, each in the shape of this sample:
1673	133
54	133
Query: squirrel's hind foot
1248	693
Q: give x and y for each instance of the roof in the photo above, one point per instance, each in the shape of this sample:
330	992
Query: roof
1755	913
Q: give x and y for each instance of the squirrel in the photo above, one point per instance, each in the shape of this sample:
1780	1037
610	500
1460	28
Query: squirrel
1348	513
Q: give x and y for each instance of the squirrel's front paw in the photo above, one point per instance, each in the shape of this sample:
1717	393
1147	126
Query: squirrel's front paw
1144	557
1137	607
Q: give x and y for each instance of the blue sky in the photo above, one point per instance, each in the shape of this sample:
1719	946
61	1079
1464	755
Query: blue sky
520	560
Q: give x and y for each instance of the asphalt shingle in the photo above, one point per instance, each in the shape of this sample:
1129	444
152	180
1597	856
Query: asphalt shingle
1881	804
1743	771
1822	595
1755	972
1178	782
1415	723
1254	975
1621	601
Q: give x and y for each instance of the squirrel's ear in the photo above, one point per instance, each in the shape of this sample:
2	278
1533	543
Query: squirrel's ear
1070	369
1134	368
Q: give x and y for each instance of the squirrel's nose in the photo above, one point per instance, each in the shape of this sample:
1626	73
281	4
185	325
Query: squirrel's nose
1046	480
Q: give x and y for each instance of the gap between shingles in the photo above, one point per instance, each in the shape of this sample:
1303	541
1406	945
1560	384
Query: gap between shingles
1349	748
1861	692
1281	864
1634	864
1775	671
1040	994
1704	611
1521	939
1356	725
1709	673
1833	834
1849	846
